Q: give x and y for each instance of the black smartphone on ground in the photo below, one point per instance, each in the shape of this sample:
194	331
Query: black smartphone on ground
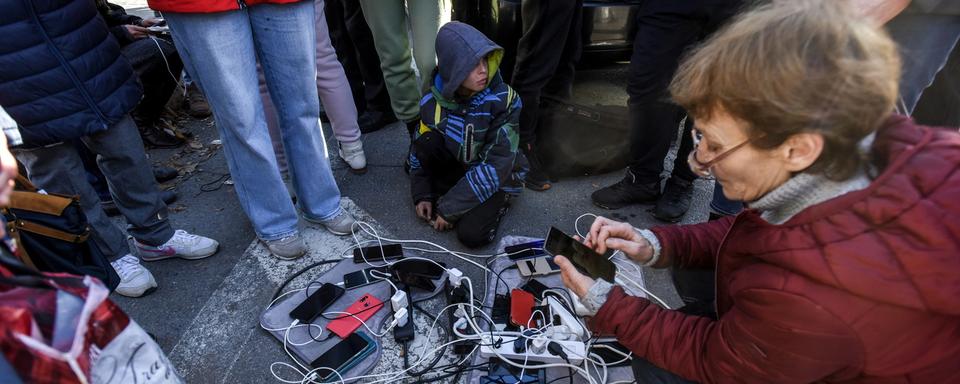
414	280
535	287
423	268
344	355
364	277
310	308
374	253
584	258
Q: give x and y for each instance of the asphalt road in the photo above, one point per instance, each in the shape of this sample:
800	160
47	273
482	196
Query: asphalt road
205	312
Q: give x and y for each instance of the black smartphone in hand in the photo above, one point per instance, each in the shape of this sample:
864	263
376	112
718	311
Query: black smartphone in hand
585	259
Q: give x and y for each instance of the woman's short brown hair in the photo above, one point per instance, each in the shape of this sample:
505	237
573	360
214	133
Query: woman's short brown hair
792	66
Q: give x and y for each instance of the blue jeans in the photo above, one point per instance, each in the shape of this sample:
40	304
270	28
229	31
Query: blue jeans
221	51
59	169
925	41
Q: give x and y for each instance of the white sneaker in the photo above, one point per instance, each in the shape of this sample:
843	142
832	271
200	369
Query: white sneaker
183	245
340	225
352	153
135	280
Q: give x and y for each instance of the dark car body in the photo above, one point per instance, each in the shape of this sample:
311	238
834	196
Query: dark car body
608	26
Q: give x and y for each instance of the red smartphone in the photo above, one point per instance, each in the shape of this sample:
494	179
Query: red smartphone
521	307
364	308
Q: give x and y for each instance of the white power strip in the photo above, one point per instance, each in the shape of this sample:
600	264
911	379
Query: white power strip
575	351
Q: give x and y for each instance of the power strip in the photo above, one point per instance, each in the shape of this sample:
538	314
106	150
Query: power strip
575	351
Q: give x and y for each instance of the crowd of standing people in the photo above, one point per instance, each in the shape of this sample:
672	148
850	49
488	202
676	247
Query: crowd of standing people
798	100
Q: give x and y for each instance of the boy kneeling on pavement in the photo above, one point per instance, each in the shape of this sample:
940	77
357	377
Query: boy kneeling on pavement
462	162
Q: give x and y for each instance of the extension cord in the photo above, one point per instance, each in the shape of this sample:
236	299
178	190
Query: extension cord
566	318
578	306
575	351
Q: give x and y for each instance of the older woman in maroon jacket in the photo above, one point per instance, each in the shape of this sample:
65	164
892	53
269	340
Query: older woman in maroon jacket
846	268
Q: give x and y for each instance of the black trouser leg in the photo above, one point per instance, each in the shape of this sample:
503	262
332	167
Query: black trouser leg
647	373
440	164
653	127
540	54
150	58
660	42
561	84
346	52
665	31
368	61
478	227
681	168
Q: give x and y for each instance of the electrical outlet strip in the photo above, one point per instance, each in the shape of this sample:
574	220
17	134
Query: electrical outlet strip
575	351
566	318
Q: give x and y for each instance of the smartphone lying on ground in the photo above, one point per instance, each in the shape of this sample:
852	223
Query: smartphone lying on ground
310	308
343	356
584	258
376	253
361	310
367	276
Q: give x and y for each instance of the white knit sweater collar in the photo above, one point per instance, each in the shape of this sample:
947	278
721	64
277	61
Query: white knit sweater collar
805	190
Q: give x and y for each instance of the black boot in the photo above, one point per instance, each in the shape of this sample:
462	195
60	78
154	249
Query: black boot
412	127
675	201
535	178
627	191
163	173
371	121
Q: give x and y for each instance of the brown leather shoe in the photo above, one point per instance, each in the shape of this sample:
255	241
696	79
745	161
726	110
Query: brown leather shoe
197	105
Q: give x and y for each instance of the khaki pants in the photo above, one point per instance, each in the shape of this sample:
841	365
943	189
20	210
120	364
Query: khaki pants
388	23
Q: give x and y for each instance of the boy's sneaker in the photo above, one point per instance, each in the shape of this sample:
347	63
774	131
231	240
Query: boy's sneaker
287	248
352	154
341	224
135	280
183	245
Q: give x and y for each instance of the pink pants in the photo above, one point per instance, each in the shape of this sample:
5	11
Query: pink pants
332	86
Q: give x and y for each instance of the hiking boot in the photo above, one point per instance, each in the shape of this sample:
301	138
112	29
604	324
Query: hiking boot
675	200
183	245
164	173
110	207
341	224
154	136
371	121
196	103
135	280
535	178
352	154
287	248
627	191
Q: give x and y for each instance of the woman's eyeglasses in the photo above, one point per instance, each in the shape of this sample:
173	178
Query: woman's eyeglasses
704	169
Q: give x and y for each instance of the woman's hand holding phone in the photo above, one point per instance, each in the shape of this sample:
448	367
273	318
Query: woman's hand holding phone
606	233
572	278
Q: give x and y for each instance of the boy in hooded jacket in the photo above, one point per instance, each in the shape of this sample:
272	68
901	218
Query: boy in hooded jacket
463	158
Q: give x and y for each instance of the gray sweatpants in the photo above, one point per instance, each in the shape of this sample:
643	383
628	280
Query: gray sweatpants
59	169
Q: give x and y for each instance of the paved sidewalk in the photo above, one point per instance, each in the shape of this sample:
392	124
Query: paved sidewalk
205	312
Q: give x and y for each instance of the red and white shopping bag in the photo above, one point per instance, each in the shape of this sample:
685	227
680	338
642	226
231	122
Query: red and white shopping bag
59	328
